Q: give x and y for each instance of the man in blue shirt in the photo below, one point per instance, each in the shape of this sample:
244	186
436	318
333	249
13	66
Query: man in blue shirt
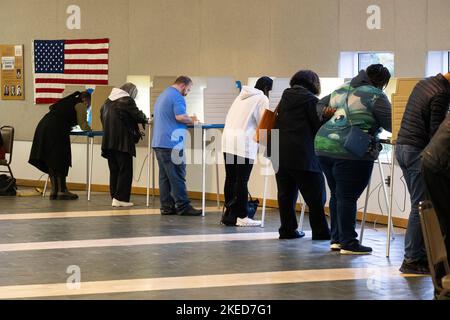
169	130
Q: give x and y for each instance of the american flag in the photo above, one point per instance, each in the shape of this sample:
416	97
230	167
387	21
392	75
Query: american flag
61	62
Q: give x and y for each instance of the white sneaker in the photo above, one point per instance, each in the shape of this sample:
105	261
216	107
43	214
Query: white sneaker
247	222
117	204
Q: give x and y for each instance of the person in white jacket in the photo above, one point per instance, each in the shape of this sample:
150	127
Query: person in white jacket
240	150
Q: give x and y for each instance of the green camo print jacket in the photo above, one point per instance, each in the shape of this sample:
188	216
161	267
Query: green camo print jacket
330	139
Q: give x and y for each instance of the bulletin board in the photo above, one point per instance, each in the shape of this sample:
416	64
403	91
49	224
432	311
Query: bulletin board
399	101
12	72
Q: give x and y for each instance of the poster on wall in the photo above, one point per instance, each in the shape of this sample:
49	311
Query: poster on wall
11	72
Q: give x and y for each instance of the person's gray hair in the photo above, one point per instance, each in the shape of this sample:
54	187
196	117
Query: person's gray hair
130	88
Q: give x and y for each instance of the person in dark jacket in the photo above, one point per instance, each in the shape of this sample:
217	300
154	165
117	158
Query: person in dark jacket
298	168
360	104
51	151
436	174
120	118
425	111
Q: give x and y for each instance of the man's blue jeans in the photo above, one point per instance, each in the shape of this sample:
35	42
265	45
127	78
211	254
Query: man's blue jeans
409	160
172	179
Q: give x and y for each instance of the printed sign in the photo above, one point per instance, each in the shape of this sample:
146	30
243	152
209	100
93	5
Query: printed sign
11	72
8	63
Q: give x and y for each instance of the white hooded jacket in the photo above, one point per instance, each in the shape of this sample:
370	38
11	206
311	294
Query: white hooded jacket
242	121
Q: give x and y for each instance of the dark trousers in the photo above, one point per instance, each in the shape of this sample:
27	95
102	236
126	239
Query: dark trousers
347	180
438	192
238	171
172	179
409	159
120	175
312	188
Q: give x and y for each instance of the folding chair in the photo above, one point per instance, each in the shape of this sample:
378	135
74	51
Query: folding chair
436	251
7	133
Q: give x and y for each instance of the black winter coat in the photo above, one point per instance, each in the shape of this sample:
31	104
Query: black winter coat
51	142
436	155
120	120
426	109
298	124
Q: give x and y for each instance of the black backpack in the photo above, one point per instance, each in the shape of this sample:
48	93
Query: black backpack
7	186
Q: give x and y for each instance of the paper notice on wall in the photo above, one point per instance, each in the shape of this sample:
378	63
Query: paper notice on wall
8	63
12	72
18	51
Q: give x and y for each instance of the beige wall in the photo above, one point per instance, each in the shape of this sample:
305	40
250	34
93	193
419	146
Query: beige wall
46	19
240	38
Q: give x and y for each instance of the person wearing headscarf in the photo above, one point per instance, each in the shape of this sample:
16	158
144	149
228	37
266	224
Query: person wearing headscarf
120	118
51	151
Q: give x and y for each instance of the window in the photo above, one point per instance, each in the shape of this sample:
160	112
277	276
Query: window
367	58
437	62
351	63
448	62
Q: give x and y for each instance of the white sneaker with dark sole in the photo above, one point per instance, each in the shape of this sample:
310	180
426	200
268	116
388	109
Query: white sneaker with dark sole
118	204
247	222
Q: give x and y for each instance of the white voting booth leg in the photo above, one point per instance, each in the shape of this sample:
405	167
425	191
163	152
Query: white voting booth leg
263	216
150	167
217	178
87	166
149	159
388	206
302	214
363	220
45	186
204	172
90	167
391	226
153	177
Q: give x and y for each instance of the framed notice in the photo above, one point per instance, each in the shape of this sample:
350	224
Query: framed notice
11	72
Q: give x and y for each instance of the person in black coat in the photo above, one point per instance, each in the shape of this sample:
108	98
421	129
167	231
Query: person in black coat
426	109
299	168
51	151
436	173
120	118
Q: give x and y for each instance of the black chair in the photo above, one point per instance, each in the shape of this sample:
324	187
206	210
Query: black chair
436	251
7	133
